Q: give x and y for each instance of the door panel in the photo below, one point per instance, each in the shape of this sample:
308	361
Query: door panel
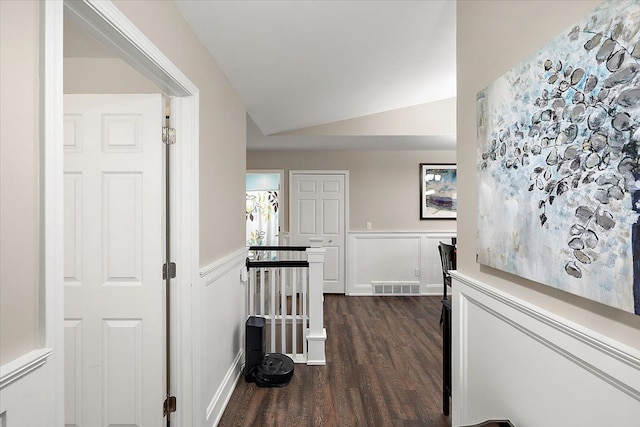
72	230
72	372
306	224
318	210
332	264
122	228
122	371
307	186
114	292
331	187
331	217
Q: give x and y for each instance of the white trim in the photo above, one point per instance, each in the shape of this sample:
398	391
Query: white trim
218	403
23	365
602	343
316	341
222	266
430	276
52	208
459	361
346	209
186	249
285	239
613	362
106	22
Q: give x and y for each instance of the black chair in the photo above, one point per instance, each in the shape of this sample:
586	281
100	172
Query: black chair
448	260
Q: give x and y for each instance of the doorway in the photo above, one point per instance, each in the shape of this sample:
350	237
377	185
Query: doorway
264	202
105	22
319	209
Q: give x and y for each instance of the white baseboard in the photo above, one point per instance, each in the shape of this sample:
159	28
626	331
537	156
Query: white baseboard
360	289
517	361
432	289
216	407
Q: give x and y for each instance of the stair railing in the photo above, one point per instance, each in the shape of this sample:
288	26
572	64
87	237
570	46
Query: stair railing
285	287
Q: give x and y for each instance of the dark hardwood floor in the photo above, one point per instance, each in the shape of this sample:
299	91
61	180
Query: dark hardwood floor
384	368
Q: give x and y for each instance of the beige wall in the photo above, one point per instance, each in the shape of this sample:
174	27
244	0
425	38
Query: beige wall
493	36
222	126
104	75
383	185
19	166
433	118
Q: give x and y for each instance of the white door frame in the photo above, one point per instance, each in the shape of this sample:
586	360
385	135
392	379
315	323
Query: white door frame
105	21
346	208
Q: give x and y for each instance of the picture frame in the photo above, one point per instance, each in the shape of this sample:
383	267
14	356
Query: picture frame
438	193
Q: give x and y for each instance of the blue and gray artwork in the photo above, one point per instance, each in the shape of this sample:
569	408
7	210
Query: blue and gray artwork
440	192
558	162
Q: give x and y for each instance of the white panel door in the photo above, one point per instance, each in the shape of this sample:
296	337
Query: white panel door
318	210
114	293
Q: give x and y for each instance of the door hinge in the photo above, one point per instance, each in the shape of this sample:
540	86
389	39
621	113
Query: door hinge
169	270
168	135
170	404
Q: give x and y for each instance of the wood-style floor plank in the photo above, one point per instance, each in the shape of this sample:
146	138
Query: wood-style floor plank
384	368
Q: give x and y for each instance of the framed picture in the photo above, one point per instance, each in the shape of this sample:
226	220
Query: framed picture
438	194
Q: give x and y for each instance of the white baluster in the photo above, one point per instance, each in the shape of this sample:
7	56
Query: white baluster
294	316
272	310
283	314
252	291
305	318
262	274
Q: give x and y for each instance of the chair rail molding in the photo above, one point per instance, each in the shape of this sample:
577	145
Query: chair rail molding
23	365
25	390
395	262
221	266
508	353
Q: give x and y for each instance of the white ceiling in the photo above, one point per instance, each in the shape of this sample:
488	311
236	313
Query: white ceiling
302	63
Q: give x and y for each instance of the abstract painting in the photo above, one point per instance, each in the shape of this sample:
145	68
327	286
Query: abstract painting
438	195
558	162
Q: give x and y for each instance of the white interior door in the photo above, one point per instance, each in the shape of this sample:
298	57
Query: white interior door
114	296
318	209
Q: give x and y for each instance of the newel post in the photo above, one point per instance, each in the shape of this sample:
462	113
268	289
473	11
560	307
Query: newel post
316	334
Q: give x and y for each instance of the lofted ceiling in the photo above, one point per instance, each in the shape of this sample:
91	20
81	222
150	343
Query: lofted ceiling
301	64
298	64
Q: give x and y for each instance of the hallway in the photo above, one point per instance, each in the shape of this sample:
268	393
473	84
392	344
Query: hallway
384	368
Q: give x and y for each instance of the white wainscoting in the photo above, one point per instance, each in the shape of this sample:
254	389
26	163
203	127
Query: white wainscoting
395	261
220	313
25	392
514	360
